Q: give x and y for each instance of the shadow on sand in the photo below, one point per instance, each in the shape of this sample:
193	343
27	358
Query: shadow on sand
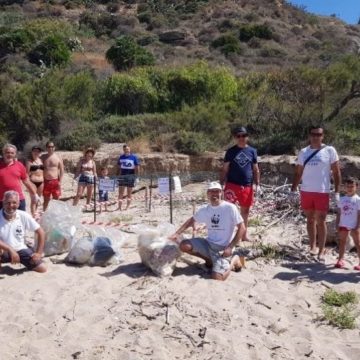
10	271
317	272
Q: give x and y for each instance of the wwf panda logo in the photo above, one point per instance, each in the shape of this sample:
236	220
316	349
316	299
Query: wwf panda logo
19	232
215	219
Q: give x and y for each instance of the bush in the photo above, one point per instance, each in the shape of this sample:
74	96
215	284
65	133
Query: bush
246	32
272	51
101	23
145	17
15	40
126	53
75	136
52	51
128	94
228	44
191	143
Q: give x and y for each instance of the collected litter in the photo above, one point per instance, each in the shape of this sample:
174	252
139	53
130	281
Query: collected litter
86	244
96	247
156	251
60	222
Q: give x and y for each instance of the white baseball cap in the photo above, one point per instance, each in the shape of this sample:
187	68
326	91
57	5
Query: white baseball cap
214	185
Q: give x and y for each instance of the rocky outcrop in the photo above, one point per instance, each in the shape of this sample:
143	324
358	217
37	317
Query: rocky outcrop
173	37
274	169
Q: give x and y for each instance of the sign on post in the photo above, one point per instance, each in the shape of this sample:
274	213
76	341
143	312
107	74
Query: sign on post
107	185
163	185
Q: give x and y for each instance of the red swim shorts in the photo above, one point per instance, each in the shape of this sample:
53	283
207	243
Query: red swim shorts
314	201
343	228
242	195
52	187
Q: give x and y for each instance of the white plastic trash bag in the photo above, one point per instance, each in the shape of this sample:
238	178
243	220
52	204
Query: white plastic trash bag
81	252
97	247
60	222
156	251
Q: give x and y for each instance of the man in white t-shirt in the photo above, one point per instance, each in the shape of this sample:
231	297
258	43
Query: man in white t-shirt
13	225
225	228
314	166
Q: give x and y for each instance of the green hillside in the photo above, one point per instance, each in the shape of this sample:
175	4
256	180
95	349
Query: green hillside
176	75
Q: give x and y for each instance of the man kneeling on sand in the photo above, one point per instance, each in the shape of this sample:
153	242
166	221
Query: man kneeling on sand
13	225
222	219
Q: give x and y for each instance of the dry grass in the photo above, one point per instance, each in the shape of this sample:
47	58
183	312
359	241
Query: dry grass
140	145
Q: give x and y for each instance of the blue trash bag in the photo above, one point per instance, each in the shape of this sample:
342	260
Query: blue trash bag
102	252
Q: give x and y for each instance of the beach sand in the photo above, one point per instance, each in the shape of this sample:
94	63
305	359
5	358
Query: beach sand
270	310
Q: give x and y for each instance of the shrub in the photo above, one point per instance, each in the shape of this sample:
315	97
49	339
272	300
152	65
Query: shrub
145	17
191	143
272	51
246	32
128	94
101	23
78	135
228	44
52	51
15	40
126	53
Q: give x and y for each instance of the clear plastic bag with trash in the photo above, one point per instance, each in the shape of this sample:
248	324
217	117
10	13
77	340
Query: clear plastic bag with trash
97	246
60	222
156	251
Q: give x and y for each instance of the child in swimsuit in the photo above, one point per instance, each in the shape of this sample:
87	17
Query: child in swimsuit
87	171
35	170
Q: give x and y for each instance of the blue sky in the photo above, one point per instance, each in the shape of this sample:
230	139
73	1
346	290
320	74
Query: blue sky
347	10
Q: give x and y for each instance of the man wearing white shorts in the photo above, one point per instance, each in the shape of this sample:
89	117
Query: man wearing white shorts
314	166
225	228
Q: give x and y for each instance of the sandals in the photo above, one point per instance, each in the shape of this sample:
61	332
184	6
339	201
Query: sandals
341	264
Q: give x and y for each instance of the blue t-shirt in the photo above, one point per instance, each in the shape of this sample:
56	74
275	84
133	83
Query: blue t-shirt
241	165
128	163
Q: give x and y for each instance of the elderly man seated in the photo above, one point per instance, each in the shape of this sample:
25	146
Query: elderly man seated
225	228
13	225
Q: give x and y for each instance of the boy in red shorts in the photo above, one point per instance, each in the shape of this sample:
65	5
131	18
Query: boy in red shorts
240	174
348	220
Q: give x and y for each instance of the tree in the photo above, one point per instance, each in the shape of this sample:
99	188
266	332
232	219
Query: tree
126	53
52	51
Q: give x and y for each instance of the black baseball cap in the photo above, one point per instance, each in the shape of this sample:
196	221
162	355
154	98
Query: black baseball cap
239	130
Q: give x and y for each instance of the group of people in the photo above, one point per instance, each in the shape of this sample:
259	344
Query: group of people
86	173
225	215
239	184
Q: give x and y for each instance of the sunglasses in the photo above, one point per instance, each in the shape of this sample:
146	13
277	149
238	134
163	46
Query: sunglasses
241	136
316	134
50	146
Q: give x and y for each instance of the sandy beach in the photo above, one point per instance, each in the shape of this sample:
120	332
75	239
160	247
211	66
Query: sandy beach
269	310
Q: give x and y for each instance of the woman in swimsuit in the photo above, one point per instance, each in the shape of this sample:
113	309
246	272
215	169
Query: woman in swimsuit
87	171
35	170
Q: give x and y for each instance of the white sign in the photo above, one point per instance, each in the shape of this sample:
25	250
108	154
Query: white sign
177	184
163	184
107	184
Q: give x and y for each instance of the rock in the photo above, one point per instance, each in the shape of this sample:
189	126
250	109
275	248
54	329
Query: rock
173	37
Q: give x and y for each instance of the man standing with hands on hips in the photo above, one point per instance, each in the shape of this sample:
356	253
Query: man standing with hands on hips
240	174
314	166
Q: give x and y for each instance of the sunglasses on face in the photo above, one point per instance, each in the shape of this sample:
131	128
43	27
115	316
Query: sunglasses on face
316	134
241	136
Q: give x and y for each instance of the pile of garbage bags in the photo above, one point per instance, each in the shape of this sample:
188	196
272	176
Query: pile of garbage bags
156	251
86	245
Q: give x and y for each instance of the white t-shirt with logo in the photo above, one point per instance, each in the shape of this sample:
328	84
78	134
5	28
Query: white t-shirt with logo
316	175
349	209
220	221
13	232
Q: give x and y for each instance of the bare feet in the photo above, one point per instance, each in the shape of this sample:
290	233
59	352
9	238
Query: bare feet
236	264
